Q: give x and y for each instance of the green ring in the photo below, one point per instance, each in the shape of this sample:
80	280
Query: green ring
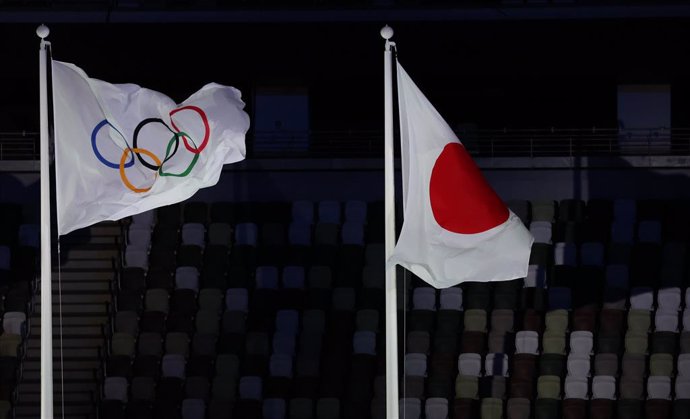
167	154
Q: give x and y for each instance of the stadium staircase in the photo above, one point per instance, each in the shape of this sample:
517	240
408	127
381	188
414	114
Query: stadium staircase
86	272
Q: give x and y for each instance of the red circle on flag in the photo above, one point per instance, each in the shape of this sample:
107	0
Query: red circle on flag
461	199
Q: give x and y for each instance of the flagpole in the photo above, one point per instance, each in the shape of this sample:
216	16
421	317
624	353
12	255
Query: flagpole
46	268
389	181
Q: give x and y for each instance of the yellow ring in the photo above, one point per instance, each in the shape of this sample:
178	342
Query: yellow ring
123	160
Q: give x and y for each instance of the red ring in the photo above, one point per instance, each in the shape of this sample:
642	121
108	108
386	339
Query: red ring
195	150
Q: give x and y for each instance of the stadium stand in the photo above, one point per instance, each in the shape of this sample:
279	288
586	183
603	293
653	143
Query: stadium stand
600	335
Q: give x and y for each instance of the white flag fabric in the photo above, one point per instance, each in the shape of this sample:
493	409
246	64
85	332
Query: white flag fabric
121	149
455	227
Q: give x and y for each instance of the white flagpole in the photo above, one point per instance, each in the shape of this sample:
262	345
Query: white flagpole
46	269
389	180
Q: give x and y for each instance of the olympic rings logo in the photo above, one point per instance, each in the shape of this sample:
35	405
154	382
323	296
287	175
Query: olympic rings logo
157	165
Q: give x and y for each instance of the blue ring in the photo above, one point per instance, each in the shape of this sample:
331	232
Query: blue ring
98	154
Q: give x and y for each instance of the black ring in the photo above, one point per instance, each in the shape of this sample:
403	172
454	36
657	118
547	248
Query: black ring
136	136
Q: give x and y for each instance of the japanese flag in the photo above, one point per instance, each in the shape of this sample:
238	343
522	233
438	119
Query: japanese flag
455	227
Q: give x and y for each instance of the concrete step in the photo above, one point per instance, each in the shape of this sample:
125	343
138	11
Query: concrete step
81	286
35	375
90	252
68	364
71	320
73	410
67	353
70	386
72	331
101	229
82	298
68	415
76	308
75	398
68	342
84	275
87	246
87	264
98	240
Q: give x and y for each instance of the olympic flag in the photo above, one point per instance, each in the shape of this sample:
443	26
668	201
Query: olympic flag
121	149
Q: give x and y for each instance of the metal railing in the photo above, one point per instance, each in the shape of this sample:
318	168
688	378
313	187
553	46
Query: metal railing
555	142
486	142
315	4
577	142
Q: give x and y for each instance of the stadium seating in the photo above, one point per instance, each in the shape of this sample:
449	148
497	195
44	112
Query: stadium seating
276	311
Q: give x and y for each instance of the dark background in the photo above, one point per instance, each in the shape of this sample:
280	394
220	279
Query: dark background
513	73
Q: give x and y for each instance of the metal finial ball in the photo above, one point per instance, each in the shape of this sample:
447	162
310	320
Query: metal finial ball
386	32
42	31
